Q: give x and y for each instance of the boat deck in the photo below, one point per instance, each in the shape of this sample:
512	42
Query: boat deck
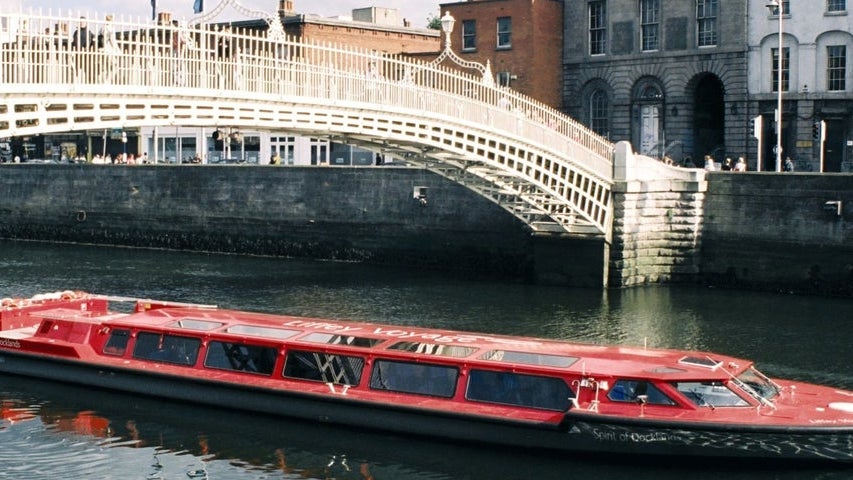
19	333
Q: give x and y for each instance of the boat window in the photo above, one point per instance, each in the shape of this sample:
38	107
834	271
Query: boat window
241	357
549	393
759	383
700	362
636	390
666	370
332	339
266	332
323	367
528	358
166	348
418	378
117	343
433	349
194	324
710	394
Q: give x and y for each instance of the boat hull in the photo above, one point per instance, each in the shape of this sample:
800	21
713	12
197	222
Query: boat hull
579	433
638	436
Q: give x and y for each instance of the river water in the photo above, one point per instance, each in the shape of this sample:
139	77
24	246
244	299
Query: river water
52	431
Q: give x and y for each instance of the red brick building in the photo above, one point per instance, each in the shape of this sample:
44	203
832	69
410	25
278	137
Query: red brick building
371	28
522	39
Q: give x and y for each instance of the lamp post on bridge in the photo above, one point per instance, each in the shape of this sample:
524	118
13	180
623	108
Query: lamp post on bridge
447	24
776	6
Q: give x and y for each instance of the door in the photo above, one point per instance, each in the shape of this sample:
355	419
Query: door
649	130
833	147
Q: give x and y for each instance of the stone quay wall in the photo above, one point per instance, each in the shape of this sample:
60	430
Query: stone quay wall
383	215
788	232
657	221
756	230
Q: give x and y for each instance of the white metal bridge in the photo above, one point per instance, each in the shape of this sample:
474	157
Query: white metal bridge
543	167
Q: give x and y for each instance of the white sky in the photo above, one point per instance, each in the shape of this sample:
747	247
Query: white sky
416	11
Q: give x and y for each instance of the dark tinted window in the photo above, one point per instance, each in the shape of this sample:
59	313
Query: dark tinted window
635	390
166	348
518	389
420	378
117	343
323	367
243	358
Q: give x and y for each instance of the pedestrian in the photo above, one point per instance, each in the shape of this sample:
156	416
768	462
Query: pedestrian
727	166
789	165
82	39
709	163
740	166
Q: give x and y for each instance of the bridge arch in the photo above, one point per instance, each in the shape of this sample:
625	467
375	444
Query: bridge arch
538	164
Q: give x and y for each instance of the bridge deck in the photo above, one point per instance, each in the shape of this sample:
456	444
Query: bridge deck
541	166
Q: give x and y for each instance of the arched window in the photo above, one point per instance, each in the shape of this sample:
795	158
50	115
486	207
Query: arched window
599	118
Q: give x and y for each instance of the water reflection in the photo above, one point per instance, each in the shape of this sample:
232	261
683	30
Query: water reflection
59	431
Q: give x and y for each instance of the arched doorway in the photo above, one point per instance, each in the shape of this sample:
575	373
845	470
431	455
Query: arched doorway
709	124
648	100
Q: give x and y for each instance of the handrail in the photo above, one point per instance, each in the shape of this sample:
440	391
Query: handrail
47	61
41	49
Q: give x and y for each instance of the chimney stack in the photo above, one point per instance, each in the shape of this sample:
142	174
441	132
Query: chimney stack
285	8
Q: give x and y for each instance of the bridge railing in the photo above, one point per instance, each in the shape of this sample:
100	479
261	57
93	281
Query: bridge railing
51	53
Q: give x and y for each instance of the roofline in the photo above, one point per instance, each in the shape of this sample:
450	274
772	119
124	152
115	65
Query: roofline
313	19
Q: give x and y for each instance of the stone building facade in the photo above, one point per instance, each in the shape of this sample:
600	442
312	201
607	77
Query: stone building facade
669	76
816	83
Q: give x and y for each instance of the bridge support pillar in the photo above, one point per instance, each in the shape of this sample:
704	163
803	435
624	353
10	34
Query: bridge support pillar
658	213
570	261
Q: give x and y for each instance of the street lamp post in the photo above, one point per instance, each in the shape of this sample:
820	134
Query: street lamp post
447	23
776	6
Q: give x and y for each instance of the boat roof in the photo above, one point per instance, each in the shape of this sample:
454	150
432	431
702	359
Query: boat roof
439	344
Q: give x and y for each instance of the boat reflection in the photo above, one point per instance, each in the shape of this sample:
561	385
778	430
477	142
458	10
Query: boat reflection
206	443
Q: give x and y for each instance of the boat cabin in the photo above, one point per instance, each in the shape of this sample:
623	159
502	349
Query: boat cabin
529	378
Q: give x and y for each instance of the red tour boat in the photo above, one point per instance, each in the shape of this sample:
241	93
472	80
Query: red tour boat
516	391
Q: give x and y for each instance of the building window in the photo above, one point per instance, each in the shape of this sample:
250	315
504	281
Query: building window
504	32
836	67
706	20
504	79
835	5
469	35
599	121
597	27
785	72
649	24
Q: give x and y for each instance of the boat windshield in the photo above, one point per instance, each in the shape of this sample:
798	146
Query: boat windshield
710	394
756	383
